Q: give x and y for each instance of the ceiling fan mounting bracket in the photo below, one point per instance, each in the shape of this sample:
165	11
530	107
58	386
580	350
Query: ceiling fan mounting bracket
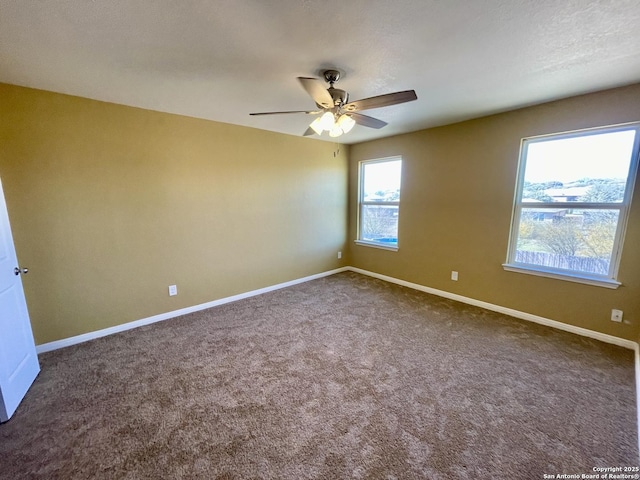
331	76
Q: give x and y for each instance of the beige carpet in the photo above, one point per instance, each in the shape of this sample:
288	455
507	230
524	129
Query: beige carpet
342	377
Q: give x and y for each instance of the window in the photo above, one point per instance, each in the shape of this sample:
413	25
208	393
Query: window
379	202
572	201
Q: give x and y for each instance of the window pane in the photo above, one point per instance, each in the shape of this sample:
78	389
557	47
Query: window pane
382	181
569	239
379	223
587	168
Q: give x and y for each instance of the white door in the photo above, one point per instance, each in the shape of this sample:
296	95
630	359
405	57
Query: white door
18	358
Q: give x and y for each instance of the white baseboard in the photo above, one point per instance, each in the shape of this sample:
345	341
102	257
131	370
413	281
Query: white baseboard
507	311
85	337
46	347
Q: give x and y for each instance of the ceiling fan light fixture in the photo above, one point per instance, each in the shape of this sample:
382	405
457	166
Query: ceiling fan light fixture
327	121
346	123
336	131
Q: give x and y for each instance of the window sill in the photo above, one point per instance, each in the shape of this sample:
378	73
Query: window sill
381	246
595	281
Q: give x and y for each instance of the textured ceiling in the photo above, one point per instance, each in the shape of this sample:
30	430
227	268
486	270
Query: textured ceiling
221	60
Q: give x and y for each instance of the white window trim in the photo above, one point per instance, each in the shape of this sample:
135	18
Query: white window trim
562	275
366	243
608	281
362	203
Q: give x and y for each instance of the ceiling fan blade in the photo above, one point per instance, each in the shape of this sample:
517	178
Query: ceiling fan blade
381	101
315	88
291	111
367	121
308	132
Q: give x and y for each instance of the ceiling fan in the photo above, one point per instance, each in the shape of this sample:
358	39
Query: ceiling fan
338	114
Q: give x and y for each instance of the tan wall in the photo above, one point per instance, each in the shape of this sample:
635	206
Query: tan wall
458	186
109	205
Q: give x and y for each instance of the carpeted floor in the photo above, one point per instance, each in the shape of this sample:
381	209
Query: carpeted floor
342	377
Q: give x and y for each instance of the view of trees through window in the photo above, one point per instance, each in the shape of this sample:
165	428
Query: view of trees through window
380	201
571	198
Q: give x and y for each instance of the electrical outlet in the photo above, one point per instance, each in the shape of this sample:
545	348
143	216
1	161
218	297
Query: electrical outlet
616	315
454	276
173	290
339	255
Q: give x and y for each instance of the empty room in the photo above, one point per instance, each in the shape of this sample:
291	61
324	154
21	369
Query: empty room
319	240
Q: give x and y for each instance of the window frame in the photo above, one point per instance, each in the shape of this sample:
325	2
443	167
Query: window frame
610	280
362	203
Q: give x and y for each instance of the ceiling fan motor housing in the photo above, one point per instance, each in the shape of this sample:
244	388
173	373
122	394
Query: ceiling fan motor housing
340	97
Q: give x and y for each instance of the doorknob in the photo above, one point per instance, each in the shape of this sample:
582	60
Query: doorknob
17	271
